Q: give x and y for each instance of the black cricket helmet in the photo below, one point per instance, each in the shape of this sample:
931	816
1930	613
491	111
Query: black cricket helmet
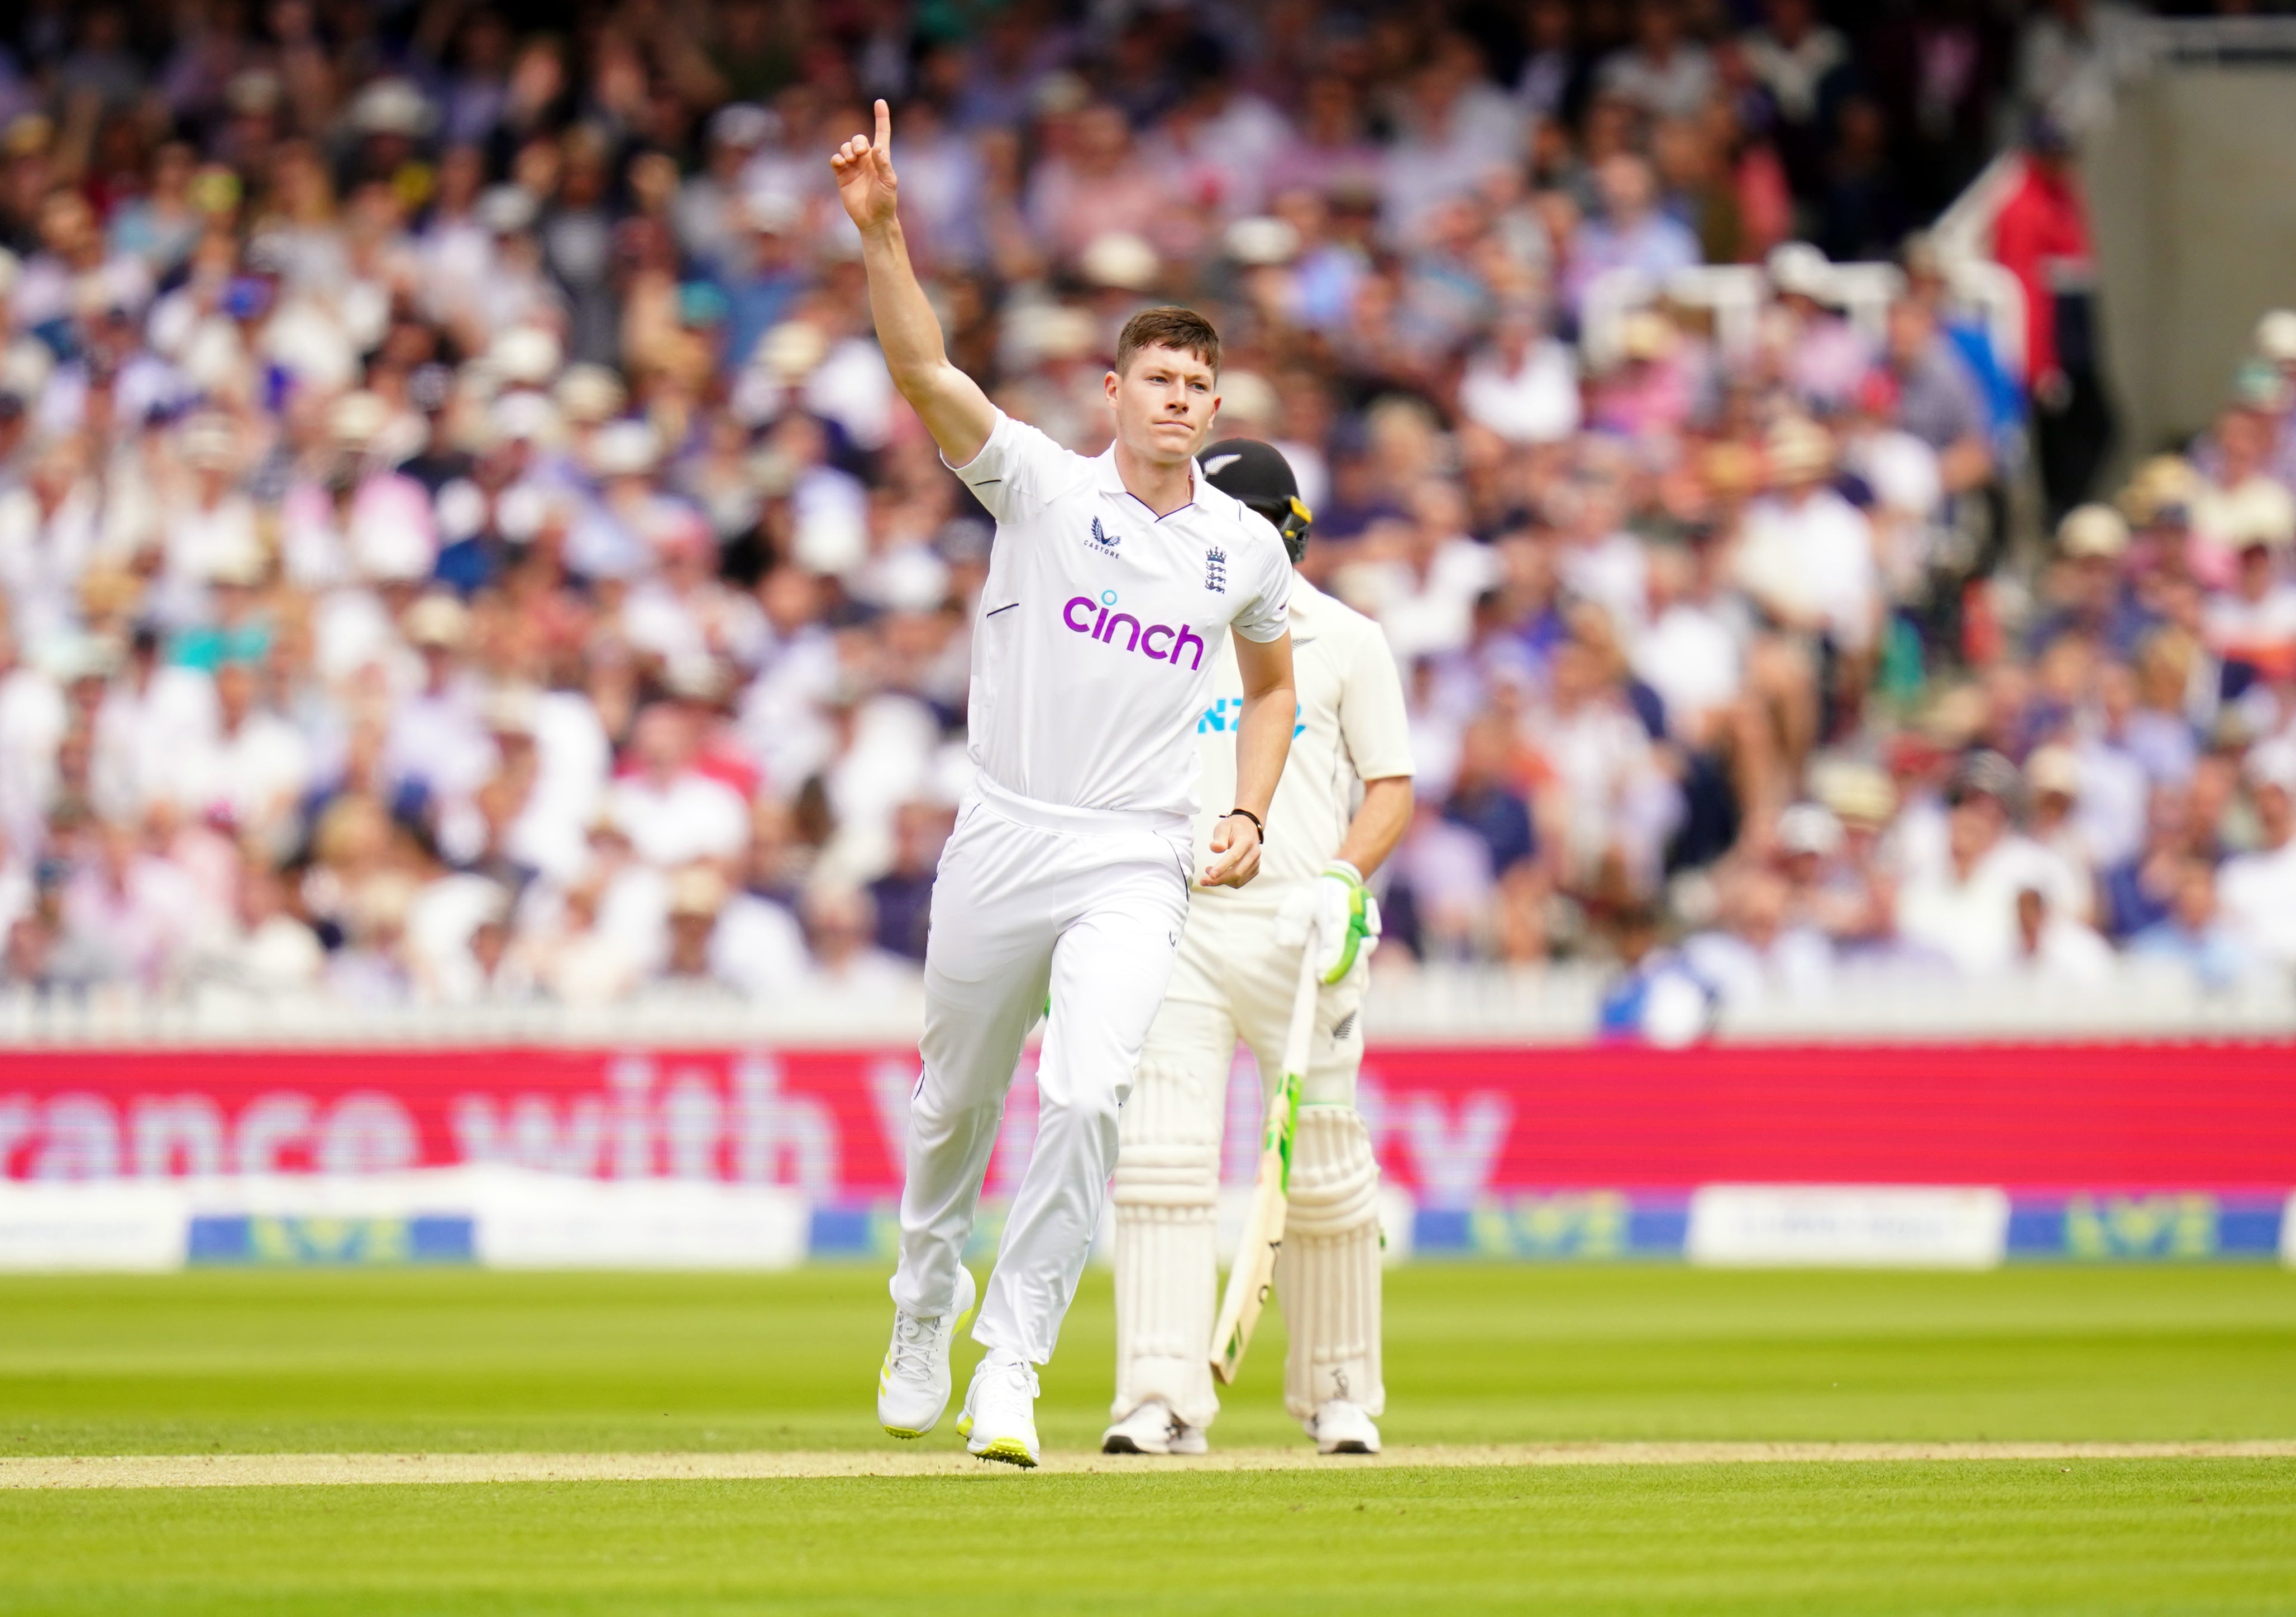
1258	475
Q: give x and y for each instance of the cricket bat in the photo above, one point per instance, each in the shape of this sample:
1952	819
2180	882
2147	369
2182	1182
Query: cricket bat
1254	1274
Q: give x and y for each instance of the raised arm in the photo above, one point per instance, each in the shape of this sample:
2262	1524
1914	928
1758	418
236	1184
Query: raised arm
951	403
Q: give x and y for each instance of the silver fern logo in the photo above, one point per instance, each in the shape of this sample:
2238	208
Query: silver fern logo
1103	541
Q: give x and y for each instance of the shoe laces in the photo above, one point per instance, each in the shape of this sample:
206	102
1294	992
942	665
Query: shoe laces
1016	1376
913	1336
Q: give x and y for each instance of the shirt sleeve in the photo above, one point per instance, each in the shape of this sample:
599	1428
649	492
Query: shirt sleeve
1009	475
1266	613
1373	721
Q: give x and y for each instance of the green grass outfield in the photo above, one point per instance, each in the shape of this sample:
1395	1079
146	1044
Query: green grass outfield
466	1360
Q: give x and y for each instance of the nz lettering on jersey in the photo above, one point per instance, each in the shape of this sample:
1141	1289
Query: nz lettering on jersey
1157	643
1227	713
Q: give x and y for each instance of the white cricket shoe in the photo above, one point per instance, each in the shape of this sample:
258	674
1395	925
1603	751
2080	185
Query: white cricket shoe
1153	1429
999	1422
913	1386
1340	1428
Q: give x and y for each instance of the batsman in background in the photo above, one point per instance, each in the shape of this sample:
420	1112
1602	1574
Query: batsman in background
1341	807
1069	871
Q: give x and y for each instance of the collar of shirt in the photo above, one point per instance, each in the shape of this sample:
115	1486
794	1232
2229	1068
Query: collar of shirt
1305	599
1110	480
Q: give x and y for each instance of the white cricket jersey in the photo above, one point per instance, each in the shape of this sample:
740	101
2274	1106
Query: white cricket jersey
1100	626
1351	728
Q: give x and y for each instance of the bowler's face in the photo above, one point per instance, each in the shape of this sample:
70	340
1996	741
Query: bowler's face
1164	402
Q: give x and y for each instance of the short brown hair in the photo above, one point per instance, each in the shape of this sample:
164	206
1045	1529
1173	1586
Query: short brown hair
1184	331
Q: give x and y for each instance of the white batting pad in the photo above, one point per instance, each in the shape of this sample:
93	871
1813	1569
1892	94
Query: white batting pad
1167	1196
1328	1278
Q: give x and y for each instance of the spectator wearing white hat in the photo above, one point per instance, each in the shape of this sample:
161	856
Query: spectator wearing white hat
690	967
2087	591
2276	345
1830	859
1820	355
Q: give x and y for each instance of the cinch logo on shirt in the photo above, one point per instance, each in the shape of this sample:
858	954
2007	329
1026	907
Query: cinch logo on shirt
1103	541
1108	625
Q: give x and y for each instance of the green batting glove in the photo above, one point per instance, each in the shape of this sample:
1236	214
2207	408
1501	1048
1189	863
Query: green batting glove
1347	921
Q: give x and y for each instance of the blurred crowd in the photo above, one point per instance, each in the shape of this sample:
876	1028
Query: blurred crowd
460	544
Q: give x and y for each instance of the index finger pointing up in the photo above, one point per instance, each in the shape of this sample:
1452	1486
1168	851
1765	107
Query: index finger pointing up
884	128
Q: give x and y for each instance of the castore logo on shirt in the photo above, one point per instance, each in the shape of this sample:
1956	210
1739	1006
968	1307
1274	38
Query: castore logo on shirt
1105	627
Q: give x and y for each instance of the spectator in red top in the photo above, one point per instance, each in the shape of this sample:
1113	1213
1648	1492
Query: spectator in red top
2041	235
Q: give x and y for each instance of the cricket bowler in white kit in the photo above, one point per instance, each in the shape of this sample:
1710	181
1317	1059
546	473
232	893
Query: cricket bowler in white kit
1343	805
1113	585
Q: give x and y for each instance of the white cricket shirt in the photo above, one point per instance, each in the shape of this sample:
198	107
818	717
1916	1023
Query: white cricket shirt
1101	627
1351	728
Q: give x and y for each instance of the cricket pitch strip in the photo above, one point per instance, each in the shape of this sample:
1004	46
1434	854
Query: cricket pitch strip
308	1470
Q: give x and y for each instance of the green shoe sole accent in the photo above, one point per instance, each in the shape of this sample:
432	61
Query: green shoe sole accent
965	1426
898	1431
1011	1450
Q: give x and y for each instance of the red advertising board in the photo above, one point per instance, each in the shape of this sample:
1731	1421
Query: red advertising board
1453	1123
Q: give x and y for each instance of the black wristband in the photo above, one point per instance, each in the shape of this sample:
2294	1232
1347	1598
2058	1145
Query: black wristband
1256	824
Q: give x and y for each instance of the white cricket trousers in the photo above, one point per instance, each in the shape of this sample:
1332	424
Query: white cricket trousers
1029	897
